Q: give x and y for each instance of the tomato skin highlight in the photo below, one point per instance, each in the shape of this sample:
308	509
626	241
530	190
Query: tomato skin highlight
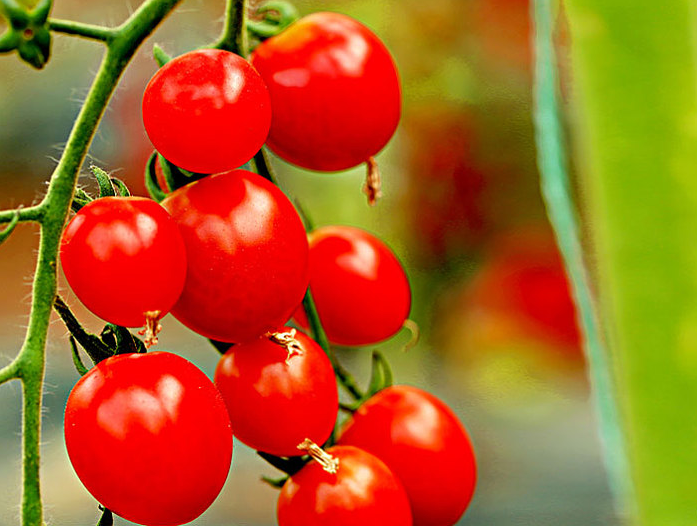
149	437
360	289
247	256
362	492
424	444
207	111
334	89
124	257
292	401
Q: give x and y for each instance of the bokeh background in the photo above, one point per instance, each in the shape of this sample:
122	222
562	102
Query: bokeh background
462	210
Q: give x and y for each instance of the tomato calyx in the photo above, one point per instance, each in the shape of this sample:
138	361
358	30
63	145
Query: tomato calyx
372	187
271	18
288	341
112	340
329	463
108	187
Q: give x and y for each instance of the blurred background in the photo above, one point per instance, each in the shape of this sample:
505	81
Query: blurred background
462	209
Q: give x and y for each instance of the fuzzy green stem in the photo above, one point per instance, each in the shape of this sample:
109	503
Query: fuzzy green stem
31	213
93	32
52	213
234	36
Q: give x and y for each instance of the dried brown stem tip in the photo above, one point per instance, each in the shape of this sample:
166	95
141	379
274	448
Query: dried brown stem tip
329	463
152	328
286	340
373	184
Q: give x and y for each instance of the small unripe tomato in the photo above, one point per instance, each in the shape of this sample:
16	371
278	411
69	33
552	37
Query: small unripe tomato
334	90
124	258
291	388
424	444
207	111
363	491
247	256
360	289
149	437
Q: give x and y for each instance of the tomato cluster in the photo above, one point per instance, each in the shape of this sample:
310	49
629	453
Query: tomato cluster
149	435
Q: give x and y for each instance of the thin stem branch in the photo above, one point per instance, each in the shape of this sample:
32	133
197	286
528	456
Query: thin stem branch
30	213
234	36
9	372
90	31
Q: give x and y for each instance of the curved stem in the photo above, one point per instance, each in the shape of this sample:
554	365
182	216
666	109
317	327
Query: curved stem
234	36
70	27
52	213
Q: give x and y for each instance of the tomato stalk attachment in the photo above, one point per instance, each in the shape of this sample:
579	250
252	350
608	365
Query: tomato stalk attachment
372	187
152	328
288	341
329	463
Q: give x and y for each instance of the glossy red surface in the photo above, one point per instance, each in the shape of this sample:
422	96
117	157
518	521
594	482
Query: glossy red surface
207	111
149	437
123	257
247	256
360	288
363	492
334	90
424	444
274	405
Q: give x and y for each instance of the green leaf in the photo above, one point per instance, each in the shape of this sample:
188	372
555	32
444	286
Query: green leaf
635	108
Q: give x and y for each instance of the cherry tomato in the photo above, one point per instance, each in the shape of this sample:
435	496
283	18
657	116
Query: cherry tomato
424	444
124	257
247	256
207	111
360	288
149	437
362	492
293	393
334	90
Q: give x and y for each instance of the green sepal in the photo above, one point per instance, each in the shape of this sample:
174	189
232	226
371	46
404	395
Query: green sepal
107	518
151	184
121	339
106	188
160	55
290	465
120	187
277	16
380	374
77	361
274	482
95	348
80	199
174	176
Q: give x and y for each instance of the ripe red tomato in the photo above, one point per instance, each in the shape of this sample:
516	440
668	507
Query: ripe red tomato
124	257
360	288
362	492
424	444
334	90
294	394
247	256
207	111
149	437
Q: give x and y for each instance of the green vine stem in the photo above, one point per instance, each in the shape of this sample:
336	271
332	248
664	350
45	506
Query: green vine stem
51	213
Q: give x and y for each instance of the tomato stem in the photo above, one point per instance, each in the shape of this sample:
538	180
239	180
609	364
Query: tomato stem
329	463
372	187
234	36
89	31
